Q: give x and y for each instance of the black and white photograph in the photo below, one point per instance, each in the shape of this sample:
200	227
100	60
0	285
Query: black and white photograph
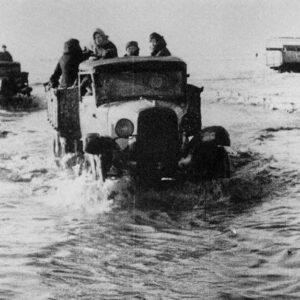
149	149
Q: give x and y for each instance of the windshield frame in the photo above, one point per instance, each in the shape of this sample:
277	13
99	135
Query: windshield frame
171	98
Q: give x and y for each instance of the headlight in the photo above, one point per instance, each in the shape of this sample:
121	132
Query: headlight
124	128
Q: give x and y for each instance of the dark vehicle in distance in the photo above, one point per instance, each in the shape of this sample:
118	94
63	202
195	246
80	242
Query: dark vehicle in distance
14	88
137	115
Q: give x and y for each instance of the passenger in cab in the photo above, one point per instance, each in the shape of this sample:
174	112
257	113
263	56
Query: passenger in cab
132	49
5	55
67	68
158	45
102	47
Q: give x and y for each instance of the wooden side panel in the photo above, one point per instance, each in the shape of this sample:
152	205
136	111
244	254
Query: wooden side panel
291	56
63	112
52	109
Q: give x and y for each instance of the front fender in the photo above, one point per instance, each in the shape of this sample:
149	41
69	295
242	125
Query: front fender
99	145
216	134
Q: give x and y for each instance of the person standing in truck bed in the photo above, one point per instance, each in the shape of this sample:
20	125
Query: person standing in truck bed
132	49
67	68
158	45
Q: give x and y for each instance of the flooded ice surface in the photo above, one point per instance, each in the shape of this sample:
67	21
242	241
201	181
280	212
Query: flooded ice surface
64	237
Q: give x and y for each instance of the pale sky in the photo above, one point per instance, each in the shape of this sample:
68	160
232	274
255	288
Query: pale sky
37	29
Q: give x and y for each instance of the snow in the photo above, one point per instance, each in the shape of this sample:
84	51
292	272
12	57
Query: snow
236	80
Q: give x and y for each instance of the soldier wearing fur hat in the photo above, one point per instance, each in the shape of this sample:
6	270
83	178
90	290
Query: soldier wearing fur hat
67	68
102	47
158	45
132	49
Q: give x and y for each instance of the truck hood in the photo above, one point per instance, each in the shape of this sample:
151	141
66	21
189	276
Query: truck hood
131	109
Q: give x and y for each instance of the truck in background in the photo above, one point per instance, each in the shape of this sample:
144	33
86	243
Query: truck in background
14	88
283	54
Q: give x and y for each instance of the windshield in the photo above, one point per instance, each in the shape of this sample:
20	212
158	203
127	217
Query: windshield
110	86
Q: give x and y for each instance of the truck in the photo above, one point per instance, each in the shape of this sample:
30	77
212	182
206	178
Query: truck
137	115
283	54
14	87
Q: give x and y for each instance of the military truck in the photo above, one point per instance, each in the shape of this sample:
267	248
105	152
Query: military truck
14	87
137	115
283	54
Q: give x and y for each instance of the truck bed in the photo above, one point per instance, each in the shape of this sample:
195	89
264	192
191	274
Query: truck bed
63	111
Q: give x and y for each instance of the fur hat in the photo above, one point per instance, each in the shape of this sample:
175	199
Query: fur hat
132	44
72	46
99	31
155	36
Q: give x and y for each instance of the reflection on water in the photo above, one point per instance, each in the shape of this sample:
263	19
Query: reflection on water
64	237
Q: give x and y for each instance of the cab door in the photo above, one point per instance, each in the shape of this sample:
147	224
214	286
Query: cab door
87	105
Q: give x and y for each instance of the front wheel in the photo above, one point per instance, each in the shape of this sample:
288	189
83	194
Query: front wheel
208	161
222	169
147	175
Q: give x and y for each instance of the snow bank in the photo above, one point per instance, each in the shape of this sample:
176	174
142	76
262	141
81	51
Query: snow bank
257	85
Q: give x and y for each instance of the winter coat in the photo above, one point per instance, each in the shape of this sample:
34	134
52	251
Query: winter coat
108	50
160	48
136	51
67	67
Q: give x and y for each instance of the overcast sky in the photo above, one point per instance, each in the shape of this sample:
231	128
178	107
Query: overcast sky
192	28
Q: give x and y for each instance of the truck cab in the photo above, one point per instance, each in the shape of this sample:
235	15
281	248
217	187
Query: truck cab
136	113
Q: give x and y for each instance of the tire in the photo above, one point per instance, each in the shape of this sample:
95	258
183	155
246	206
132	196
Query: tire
69	145
208	161
147	176
221	135
222	164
